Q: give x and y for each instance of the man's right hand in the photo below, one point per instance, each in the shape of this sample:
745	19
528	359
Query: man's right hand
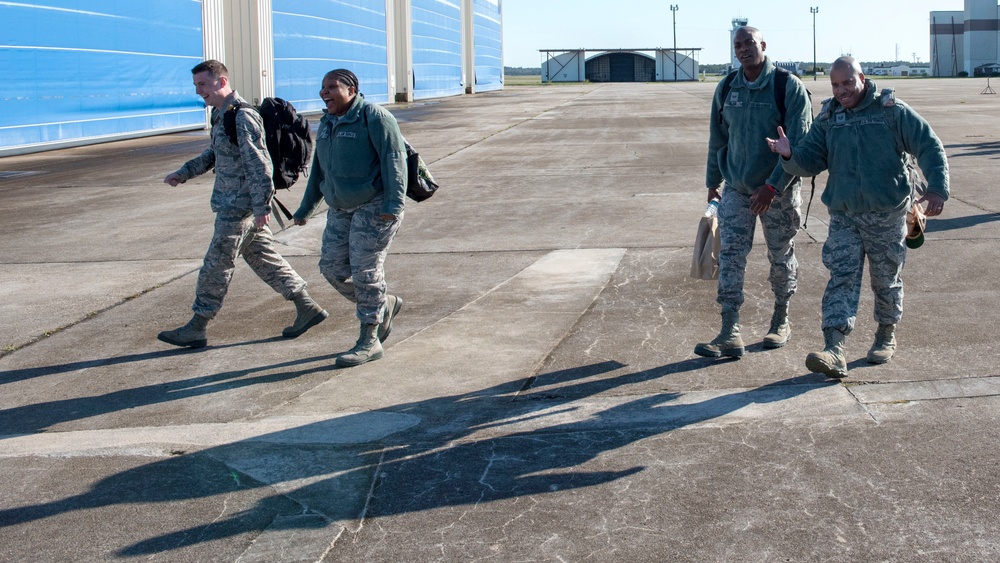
781	145
174	179
713	194
300	221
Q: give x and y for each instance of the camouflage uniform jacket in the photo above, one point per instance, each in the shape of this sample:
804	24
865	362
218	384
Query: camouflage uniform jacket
359	156
242	174
737	146
864	152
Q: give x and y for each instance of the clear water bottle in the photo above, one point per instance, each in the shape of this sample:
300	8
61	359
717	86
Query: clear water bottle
713	208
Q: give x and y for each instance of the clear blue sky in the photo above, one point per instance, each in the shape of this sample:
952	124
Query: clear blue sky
868	29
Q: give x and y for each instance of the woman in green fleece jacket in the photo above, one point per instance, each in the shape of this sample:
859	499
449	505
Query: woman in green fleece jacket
862	137
359	169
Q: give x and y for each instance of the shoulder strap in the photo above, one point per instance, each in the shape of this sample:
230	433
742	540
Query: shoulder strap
727	85
887	99
918	185
229	120
364	113
825	109
364	116
780	87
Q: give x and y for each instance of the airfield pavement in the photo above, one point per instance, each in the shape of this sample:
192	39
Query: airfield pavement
539	399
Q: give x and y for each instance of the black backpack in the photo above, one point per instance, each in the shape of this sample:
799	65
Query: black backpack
287	136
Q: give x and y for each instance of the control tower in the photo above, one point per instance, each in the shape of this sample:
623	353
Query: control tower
737	23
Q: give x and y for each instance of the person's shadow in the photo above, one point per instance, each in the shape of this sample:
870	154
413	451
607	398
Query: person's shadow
15	375
28	419
991	148
936	225
472	448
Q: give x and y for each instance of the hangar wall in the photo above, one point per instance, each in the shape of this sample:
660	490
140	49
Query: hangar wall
487	46
980	33
947	43
115	68
312	38
964	41
620	65
437	48
569	66
86	71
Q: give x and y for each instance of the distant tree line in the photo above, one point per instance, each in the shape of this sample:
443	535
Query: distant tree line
522	71
718	68
806	66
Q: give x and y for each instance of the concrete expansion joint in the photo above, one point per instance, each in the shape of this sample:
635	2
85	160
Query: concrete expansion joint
860	403
14	347
493	134
302	534
510	127
904	392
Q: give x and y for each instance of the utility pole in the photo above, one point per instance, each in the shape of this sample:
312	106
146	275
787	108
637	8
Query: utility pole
814	11
673	10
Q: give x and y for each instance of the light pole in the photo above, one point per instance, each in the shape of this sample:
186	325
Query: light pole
814	11
673	10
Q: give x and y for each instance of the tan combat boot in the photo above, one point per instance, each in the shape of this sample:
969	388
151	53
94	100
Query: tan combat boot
727	343
191	335
777	336
392	306
366	349
884	346
831	360
307	315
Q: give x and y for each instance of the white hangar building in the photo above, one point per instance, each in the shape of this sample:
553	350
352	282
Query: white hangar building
965	40
619	65
80	72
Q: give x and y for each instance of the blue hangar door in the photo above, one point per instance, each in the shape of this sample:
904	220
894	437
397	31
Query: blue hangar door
312	38
437	48
488	45
76	71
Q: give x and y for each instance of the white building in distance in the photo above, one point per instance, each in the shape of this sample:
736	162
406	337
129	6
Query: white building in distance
964	41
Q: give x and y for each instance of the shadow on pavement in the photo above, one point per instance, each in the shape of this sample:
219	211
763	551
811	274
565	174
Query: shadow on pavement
447	460
974	149
15	375
29	419
936	225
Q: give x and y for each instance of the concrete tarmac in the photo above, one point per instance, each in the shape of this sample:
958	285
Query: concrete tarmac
539	399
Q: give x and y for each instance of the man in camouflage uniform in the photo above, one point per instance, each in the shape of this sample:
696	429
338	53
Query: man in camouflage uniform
755	186
241	200
862	138
359	169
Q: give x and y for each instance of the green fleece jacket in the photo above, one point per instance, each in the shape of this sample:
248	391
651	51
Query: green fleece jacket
737	146
358	156
863	149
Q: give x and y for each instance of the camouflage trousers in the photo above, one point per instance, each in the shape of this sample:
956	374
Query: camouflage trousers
881	237
355	244
736	231
235	236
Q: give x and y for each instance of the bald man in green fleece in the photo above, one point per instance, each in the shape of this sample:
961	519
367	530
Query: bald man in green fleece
862	136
